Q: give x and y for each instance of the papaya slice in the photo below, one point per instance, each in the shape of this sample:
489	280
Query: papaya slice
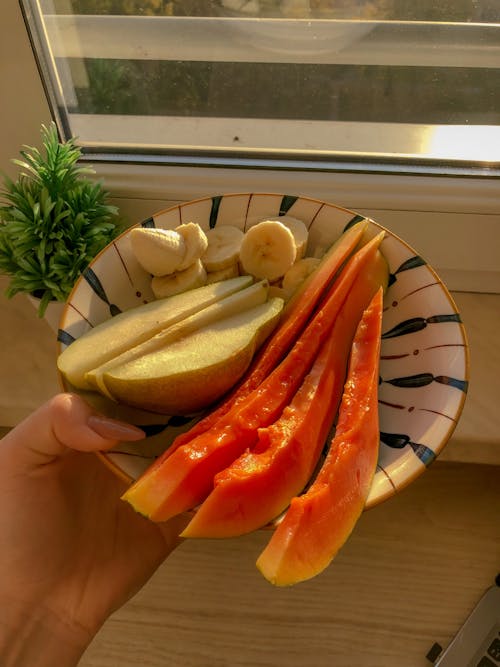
259	485
295	316
185	478
318	523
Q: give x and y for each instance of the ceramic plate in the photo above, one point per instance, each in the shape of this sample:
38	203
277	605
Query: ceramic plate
424	356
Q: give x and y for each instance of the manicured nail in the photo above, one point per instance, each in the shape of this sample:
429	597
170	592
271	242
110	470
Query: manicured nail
114	430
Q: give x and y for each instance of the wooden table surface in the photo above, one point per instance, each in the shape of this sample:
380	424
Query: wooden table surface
409	575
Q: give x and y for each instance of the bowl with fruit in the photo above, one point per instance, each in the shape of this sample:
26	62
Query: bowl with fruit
286	358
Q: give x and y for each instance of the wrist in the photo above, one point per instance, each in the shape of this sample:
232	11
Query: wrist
40	638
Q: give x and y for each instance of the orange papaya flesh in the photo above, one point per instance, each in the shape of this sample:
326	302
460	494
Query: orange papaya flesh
245	495
185	478
259	485
318	523
293	320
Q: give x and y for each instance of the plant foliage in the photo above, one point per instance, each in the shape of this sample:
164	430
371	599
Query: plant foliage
53	220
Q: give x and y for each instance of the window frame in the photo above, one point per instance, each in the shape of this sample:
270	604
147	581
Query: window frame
381	147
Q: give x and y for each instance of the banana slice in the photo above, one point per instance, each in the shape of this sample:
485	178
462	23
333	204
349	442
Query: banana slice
277	291
223	249
297	273
196	243
268	250
299	231
180	281
158	251
223	274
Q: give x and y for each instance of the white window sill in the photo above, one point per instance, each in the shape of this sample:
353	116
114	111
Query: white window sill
454	223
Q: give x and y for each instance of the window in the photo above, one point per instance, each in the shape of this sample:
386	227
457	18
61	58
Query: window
292	83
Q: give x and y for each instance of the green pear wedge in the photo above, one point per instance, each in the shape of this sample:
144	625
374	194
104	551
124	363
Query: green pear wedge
194	372
244	299
118	334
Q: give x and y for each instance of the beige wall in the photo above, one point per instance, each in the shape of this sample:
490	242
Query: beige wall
23	105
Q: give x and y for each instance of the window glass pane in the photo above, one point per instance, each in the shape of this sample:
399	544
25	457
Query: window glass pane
308	79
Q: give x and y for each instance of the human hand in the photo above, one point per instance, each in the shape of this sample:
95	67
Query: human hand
71	552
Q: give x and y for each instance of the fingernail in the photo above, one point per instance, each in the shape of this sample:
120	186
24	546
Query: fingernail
114	430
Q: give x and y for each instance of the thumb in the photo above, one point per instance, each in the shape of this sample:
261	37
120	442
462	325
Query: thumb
64	423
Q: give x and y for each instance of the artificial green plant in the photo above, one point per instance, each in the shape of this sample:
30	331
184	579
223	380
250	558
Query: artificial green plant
53	220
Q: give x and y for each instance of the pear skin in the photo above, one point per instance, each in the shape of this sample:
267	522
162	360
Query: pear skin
119	333
231	305
192	373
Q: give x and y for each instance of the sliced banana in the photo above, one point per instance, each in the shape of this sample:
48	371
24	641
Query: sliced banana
277	291
195	241
299	231
297	273
180	281
320	251
223	274
158	251
268	250
224	242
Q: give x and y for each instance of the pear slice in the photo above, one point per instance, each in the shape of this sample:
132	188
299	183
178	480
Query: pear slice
194	372
114	336
244	299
